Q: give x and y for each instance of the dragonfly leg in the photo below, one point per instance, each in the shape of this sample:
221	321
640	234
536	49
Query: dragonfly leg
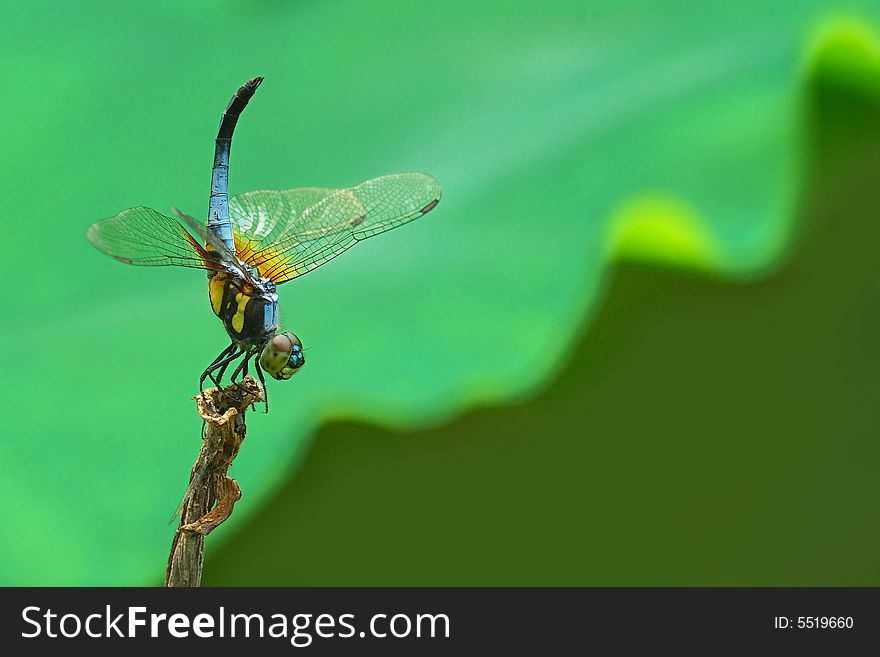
227	356
223	354
220	367
262	381
207	372
242	366
226	364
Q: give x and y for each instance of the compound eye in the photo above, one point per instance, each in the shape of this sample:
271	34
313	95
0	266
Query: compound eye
282	344
282	356
276	354
297	359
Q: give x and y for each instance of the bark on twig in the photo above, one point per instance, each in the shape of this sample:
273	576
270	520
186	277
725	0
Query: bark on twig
211	494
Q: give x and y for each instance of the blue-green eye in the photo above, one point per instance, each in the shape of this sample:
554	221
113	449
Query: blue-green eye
282	356
297	359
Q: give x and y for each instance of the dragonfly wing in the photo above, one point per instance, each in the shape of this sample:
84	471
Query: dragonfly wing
261	217
339	220
142	236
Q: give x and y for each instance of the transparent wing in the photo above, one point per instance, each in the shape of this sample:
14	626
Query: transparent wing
259	218
142	236
340	219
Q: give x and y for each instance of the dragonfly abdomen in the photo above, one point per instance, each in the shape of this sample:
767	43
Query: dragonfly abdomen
218	212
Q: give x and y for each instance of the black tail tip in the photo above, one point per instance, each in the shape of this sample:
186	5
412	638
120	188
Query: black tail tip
254	82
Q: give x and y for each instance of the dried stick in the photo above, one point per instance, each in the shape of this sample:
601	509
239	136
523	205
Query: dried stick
211	494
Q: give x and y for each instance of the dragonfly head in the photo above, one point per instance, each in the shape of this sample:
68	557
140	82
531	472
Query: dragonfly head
282	356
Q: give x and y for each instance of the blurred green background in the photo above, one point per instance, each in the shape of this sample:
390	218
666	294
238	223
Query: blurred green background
702	414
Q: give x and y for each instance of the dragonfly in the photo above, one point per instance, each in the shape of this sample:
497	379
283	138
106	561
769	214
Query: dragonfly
255	241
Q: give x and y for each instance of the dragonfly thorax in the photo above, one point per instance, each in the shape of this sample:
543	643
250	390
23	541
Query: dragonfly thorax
248	309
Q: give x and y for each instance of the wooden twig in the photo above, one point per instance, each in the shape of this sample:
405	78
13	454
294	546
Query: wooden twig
211	494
